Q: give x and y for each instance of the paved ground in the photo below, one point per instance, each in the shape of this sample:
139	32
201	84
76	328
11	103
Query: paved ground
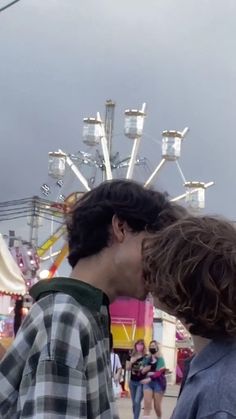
125	409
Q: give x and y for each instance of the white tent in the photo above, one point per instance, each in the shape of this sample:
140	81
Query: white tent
11	278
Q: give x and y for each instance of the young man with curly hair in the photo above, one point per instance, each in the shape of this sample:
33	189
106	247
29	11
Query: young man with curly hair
190	267
59	363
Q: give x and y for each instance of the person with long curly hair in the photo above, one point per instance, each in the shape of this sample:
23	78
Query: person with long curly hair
190	267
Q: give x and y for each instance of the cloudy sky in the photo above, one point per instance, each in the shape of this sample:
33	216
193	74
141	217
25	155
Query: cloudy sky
61	59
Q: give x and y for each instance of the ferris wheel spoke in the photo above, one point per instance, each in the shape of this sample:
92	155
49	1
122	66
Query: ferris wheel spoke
154	173
133	157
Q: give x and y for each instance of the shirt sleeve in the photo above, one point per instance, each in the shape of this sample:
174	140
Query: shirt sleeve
219	415
56	390
112	362
118	363
160	363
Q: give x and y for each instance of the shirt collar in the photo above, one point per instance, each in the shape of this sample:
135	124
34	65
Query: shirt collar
85	294
210	355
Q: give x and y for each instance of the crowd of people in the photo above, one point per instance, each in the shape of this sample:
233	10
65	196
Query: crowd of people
125	240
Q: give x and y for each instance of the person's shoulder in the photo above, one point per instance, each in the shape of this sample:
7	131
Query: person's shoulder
219	415
222	392
57	319
62	307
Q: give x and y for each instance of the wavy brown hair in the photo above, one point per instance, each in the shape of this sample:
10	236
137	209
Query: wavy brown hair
89	222
190	267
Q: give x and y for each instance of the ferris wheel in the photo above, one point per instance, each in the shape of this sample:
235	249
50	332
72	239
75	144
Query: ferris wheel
99	163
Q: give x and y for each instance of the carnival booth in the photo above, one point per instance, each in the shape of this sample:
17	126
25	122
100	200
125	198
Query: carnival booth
184	346
12	287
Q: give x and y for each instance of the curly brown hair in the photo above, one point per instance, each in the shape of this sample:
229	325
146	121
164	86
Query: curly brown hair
190	267
89	221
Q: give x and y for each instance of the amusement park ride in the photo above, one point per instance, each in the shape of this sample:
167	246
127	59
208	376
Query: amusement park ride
131	320
107	165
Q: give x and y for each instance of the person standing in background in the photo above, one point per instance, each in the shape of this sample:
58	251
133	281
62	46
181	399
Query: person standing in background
155	382
116	369
135	365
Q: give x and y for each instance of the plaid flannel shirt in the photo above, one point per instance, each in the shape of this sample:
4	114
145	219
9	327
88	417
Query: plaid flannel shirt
59	364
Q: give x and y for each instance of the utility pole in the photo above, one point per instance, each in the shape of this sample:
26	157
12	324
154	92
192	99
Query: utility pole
34	222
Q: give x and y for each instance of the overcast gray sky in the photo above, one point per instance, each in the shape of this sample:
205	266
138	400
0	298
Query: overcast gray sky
61	59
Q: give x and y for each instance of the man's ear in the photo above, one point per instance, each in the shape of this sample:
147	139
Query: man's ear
119	229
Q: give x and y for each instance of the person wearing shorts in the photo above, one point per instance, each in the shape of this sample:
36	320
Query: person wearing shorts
154	384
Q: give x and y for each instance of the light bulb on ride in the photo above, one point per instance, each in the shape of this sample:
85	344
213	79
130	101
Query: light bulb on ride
44	274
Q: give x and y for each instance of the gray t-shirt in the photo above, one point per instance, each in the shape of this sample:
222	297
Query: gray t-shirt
210	388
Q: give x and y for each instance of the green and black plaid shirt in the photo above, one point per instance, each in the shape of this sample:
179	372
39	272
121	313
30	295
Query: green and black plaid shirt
59	364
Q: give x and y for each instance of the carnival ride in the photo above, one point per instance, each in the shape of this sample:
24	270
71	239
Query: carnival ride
130	319
12	287
95	134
